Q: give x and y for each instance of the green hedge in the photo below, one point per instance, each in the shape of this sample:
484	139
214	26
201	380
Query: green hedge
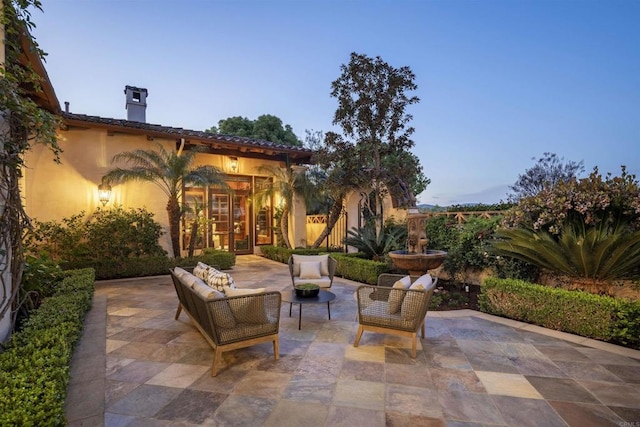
151	266
282	254
588	315
359	269
34	368
350	266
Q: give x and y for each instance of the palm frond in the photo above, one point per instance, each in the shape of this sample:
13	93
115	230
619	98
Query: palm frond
601	253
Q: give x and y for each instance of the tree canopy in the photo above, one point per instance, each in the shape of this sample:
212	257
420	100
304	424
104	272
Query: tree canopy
373	150
548	171
267	127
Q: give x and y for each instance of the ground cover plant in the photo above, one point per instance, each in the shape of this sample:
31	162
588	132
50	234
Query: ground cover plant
34	366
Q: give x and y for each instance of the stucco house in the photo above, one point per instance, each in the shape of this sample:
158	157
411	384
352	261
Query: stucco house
54	191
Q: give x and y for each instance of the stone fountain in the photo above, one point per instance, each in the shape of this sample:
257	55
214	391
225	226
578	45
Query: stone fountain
417	259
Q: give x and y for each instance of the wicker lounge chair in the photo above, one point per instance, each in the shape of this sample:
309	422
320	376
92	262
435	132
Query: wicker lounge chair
393	309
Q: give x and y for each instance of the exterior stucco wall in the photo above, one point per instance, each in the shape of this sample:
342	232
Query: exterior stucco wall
53	191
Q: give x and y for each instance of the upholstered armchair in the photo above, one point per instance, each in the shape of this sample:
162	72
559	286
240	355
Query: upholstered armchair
397	307
318	269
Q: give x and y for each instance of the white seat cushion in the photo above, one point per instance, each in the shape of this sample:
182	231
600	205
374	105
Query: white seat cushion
323	281
323	259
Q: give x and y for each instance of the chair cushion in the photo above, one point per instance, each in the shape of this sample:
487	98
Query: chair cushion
219	280
310	270
204	291
247	310
201	270
396	297
181	273
423	282
323	259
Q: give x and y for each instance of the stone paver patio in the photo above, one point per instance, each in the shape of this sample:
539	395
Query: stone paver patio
137	366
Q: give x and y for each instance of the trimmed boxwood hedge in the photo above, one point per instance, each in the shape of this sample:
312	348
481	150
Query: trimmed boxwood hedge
34	367
594	316
350	266
152	266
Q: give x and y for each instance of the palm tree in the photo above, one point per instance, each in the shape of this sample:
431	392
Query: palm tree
288	183
171	171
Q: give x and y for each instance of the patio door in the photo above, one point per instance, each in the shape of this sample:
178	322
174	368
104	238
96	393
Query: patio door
230	217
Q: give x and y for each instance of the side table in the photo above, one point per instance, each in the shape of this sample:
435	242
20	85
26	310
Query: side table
292	298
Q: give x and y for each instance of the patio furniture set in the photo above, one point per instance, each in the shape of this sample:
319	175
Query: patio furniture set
230	317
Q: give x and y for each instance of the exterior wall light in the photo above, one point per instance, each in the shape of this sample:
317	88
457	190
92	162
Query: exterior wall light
104	193
233	164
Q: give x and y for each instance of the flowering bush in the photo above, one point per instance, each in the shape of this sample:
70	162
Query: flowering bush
592	201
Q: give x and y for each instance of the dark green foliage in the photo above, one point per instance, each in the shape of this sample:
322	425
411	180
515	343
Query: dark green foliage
358	269
588	315
350	266
469	247
40	279
34	368
282	254
591	252
113	234
376	245
266	127
152	266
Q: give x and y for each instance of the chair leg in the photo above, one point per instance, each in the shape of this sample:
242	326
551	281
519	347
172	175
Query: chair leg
217	355
178	311
423	329
276	348
414	340
358	336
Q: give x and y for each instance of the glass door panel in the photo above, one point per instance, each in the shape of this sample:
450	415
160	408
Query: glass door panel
193	221
240	226
219	221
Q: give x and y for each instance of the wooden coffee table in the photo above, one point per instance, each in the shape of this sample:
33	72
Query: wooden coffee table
292	298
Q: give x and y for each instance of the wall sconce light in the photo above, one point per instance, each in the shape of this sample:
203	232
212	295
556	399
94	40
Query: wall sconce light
104	193
233	164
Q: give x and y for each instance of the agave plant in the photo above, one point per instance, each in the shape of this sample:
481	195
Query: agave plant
374	245
595	252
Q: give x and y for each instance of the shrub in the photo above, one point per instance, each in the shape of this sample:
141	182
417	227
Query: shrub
594	316
34	368
350	266
589	201
115	234
358	269
151	266
376	244
469	247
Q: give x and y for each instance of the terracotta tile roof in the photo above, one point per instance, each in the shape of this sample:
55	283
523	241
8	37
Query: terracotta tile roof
221	143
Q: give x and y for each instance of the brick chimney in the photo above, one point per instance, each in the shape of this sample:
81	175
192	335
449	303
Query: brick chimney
136	104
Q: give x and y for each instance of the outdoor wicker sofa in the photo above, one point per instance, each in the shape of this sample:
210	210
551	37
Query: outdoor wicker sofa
228	323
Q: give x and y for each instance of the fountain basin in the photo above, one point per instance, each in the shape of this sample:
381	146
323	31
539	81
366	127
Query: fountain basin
418	263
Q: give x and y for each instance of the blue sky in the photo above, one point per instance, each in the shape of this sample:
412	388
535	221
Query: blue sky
500	81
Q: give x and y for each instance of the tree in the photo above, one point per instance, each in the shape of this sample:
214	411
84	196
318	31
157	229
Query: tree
372	99
287	183
331	185
171	172
548	171
266	127
22	124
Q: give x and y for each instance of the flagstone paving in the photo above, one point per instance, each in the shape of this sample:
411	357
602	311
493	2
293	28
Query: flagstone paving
137	366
